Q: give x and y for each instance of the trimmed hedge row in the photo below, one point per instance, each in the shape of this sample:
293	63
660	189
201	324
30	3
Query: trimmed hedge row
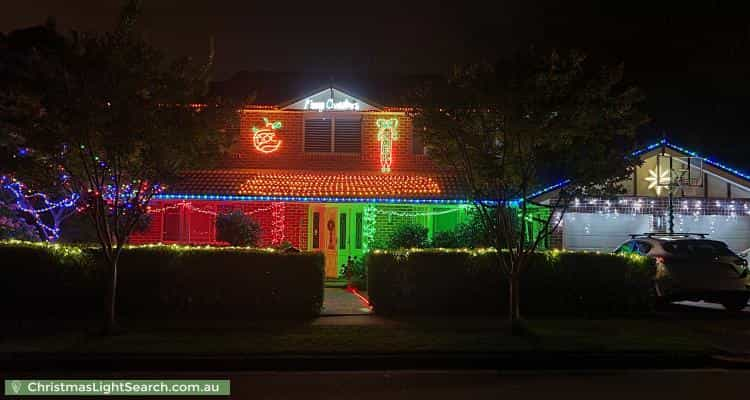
160	282
469	282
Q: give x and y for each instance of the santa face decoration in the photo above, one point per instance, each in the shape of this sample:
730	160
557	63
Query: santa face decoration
264	139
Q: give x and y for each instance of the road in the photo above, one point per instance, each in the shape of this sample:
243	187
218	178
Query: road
476	385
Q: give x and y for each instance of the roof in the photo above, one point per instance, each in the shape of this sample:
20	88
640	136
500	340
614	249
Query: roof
278	88
297	185
720	169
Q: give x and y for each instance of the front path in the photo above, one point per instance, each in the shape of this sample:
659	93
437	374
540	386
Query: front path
339	301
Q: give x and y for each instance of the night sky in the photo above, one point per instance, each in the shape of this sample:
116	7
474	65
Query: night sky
692	61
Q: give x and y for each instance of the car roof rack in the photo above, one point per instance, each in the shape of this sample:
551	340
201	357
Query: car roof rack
665	234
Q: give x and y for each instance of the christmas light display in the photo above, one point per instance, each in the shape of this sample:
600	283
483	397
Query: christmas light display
387	133
657	182
368	227
365	301
24	200
317	185
659	206
304	199
277	210
279	223
411	214
264	139
331	105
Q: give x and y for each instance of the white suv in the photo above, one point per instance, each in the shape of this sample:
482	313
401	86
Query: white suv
691	267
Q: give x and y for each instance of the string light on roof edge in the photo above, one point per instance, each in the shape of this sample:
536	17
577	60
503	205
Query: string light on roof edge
320	185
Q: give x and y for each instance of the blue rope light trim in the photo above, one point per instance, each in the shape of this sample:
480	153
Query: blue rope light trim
306	199
540	192
653	146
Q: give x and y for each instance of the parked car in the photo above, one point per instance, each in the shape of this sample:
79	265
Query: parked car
691	267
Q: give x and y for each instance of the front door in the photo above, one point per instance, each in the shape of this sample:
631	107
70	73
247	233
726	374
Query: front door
336	230
330	240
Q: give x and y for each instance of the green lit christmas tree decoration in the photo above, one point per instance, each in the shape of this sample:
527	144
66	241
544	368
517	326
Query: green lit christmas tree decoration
368	227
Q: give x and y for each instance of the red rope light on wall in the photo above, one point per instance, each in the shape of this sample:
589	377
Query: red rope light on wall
279	223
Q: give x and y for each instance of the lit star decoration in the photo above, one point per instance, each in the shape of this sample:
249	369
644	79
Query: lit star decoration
657	182
264	139
387	133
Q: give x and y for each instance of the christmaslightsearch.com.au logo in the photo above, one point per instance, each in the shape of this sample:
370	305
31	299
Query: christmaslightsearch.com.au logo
92	387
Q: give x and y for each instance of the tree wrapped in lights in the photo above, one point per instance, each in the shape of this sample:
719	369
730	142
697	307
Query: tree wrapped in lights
116	116
507	130
38	205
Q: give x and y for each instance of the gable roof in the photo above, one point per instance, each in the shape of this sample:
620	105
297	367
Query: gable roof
273	88
335	95
716	168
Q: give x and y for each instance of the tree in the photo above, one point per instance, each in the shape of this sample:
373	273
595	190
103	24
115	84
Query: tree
237	229
408	235
117	117
510	129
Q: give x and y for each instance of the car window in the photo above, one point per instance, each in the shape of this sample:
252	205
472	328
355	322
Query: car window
643	247
697	248
625	248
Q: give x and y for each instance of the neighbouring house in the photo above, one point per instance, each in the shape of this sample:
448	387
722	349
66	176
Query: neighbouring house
328	171
336	173
708	197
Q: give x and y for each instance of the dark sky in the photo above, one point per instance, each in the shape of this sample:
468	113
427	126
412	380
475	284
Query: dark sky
693	61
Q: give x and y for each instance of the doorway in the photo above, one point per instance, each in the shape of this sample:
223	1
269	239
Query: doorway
336	231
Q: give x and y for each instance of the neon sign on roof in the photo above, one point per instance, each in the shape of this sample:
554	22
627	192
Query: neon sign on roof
331	105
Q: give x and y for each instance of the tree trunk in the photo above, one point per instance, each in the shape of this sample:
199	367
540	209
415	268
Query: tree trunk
514	312
111	322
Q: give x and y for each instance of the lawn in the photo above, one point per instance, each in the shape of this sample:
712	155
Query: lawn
414	335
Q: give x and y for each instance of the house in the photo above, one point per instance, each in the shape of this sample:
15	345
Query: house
334	172
707	197
329	172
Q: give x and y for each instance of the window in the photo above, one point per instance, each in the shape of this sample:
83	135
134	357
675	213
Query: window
358	230
340	135
626	248
316	231
698	248
347	135
643	247
342	231
318	135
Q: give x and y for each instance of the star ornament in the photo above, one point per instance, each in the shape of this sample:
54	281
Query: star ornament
656	182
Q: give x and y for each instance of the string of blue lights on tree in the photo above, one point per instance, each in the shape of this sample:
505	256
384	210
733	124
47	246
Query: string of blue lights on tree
57	209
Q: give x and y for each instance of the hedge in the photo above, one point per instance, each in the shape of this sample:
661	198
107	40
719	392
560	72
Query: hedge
470	282
160	282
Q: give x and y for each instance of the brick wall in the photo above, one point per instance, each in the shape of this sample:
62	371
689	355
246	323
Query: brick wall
196	225
291	154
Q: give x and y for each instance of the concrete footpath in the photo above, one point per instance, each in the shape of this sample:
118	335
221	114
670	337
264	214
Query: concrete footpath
340	301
